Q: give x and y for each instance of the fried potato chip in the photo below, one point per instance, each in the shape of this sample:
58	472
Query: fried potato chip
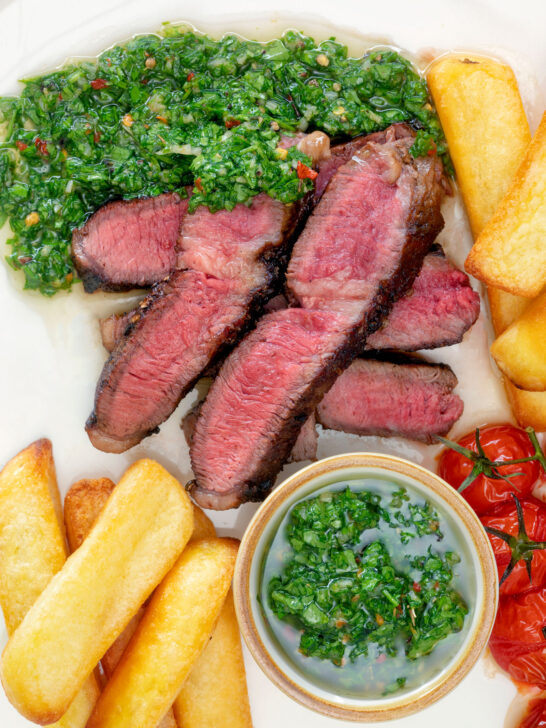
33	549
175	629
140	533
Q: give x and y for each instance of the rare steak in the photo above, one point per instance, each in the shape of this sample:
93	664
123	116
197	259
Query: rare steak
130	244
438	310
229	264
360	251
413	400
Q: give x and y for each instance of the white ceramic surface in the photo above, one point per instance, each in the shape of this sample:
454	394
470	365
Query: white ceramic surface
50	353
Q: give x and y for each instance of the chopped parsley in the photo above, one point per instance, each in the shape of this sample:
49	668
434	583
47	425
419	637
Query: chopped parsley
343	587
179	108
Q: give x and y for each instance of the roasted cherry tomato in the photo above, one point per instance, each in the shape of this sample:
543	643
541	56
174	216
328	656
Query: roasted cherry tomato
523	540
499	443
518	642
535	717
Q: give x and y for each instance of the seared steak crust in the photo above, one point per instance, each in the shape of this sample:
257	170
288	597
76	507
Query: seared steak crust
360	250
129	244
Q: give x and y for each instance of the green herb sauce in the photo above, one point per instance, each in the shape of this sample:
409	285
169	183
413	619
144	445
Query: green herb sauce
164	111
363	582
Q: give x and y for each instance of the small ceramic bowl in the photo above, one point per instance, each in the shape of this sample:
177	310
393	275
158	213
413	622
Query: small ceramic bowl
479	575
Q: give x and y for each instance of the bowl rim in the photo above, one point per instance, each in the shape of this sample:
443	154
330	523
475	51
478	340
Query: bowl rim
464	660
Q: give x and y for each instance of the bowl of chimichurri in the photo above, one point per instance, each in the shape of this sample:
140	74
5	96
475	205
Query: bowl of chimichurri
365	587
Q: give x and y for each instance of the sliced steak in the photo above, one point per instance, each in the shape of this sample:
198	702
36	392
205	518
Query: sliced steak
129	244
370	231
413	400
305	447
113	327
438	310
187	320
360	250
256	407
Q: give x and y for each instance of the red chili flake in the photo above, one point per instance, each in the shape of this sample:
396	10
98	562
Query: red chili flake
41	146
433	149
96	137
20	145
230	123
305	172
416	587
436	585
98	83
381	659
198	184
23	259
190	76
60	97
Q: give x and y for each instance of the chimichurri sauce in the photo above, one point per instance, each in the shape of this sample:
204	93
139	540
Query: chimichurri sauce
361	591
164	111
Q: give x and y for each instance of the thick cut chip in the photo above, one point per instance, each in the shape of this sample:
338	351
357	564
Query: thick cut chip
33	549
82	506
510	252
174	630
520	351
142	530
482	114
206	701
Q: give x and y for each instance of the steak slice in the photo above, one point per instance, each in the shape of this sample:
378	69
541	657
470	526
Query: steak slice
190	318
129	244
256	407
305	447
413	400
113	327
370	231
438	310
360	250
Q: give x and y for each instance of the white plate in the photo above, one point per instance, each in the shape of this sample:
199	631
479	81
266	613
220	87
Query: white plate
50	352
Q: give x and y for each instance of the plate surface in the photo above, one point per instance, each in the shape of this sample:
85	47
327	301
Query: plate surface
50	349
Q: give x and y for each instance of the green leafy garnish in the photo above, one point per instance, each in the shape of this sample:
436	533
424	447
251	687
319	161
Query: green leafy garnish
165	111
342	590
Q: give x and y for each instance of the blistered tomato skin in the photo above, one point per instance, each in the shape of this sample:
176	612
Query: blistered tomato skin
500	443
504	518
518	642
536	715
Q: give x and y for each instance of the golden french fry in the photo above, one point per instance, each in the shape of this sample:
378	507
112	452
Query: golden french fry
82	506
174	630
32	544
139	535
529	407
505	308
203	527
207	702
520	351
33	549
482	114
510	252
